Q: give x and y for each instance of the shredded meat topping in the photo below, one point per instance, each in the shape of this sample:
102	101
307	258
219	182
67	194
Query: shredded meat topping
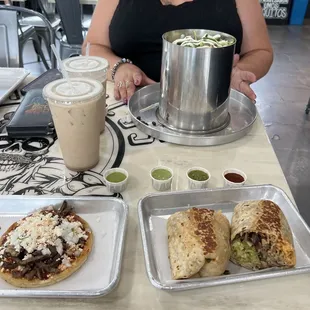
41	264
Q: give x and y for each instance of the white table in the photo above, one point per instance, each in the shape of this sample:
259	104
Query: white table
254	155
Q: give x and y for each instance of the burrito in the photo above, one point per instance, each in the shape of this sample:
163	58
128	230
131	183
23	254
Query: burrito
261	237
198	243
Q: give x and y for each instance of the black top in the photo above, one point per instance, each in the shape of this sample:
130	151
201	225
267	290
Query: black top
137	27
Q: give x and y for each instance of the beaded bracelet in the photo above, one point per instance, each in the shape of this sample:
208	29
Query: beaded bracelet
116	66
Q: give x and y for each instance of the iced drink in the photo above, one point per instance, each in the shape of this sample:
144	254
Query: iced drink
91	67
75	115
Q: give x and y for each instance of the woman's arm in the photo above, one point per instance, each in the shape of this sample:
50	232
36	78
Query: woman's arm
127	76
98	34
256	50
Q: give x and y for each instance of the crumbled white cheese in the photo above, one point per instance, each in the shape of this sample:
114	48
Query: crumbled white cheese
46	251
59	246
1	263
66	261
71	232
27	256
77	253
39	230
33	232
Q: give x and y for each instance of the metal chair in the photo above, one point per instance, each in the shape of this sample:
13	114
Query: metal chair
9	55
24	32
15	38
49	11
70	15
85	21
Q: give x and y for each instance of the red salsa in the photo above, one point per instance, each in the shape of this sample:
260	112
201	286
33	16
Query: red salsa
234	177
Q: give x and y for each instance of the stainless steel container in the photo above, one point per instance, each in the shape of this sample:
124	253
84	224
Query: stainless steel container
195	84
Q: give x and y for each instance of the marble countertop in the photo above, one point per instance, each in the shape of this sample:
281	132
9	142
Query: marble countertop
255	156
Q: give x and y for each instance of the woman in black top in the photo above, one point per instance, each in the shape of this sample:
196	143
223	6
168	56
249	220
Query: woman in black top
133	29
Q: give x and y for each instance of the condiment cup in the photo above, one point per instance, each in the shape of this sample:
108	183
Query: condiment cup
228	183
194	184
161	185
116	187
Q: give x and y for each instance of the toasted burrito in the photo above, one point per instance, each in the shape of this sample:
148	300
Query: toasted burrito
199	243
261	236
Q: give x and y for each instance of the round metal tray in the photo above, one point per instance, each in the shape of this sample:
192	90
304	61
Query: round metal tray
143	107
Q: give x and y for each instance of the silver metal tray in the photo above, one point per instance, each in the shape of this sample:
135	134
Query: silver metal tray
143	106
100	274
155	209
10	79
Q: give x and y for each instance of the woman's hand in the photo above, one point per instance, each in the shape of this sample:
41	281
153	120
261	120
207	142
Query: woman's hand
127	78
241	80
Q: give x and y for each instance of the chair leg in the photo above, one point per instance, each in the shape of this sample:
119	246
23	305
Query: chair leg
59	33
36	50
44	37
36	42
61	51
82	13
47	43
22	43
21	62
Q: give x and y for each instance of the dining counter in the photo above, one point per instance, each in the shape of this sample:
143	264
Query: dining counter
124	145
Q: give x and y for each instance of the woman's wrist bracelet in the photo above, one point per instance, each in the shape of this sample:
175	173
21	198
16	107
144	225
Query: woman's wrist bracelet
118	64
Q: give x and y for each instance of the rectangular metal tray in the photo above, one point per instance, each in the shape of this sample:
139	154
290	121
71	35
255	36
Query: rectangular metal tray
155	209
100	274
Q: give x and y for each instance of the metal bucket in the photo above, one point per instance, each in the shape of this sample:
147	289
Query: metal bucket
195	84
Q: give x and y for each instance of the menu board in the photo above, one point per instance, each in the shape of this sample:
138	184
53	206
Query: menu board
276	12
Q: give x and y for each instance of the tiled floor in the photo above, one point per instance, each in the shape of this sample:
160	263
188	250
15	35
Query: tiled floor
282	98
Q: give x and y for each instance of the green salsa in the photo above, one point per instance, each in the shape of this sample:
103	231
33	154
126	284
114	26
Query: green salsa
198	175
161	174
116	177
